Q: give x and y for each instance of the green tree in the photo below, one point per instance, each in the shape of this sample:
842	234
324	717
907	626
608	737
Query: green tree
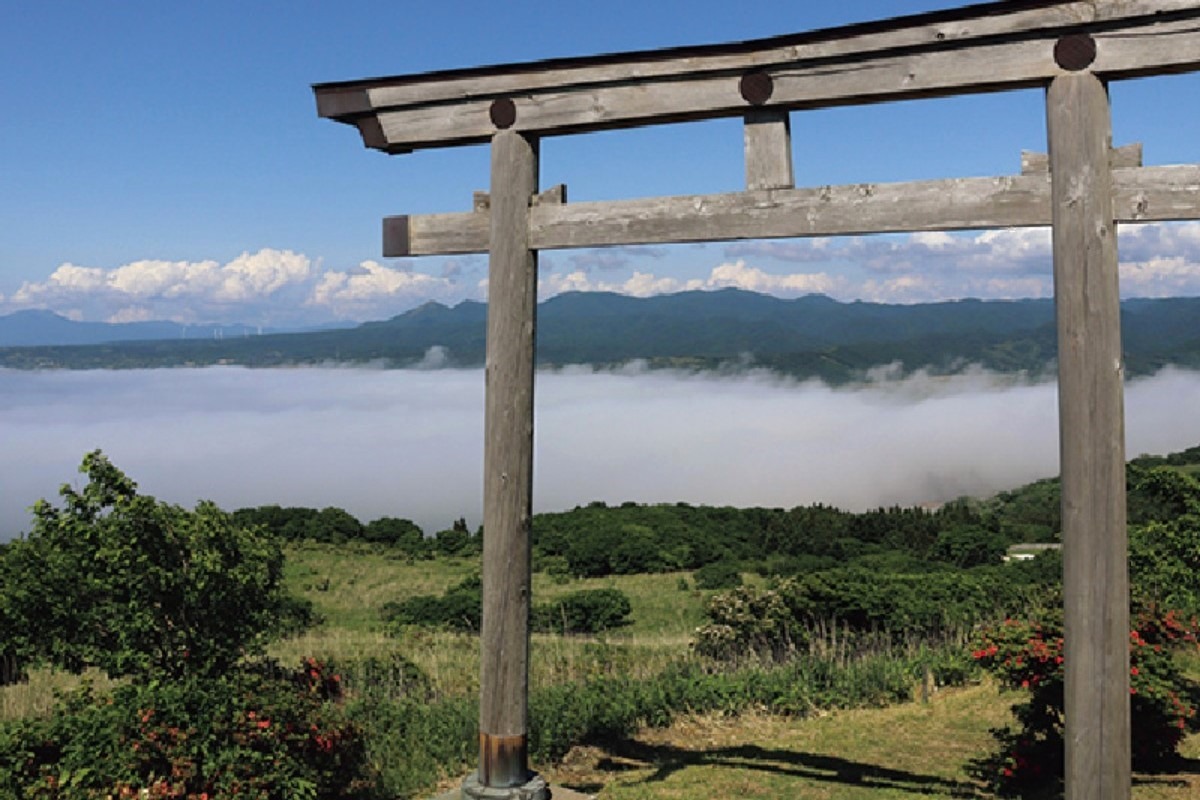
334	525
718	575
395	532
134	586
457	540
1164	554
968	546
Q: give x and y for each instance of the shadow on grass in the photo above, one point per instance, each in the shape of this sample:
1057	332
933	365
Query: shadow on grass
1181	773
665	760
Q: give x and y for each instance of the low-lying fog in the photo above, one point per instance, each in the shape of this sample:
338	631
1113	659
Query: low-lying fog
409	443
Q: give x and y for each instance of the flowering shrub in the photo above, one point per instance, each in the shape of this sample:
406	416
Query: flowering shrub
261	732
749	620
1028	655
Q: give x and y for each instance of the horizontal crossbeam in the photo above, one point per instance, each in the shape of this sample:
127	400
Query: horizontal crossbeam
1129	155
1141	194
983	48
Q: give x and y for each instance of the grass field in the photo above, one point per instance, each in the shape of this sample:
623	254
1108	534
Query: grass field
906	751
348	586
911	750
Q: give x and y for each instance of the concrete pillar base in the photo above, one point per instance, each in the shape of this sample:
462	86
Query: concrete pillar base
534	789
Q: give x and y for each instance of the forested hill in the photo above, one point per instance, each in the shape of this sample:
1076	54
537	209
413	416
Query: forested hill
37	327
811	336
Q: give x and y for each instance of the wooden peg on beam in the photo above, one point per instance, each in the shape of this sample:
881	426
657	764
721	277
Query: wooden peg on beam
554	196
481	201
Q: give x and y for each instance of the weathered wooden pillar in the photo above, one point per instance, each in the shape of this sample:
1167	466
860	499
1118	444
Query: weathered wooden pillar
1092	441
508	476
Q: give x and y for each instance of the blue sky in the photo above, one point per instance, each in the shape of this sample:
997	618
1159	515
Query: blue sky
164	160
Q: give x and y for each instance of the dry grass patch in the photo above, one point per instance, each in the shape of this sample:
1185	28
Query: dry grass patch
35	697
348	584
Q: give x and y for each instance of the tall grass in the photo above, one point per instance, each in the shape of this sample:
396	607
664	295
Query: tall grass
416	693
35	697
417	739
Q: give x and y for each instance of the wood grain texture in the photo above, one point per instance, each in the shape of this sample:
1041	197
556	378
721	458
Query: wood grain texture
1141	194
768	144
1092	441
1157	194
955	28
928	60
1124	157
508	448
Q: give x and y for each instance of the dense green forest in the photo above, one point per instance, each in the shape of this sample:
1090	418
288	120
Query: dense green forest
799	611
598	539
807	337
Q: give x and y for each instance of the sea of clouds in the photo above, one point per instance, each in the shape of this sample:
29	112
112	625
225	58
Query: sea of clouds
409	443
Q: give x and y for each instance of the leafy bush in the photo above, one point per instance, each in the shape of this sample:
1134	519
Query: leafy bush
556	567
120	581
383	678
864	603
926	604
394	532
749	621
1164	554
585	611
614	550
718	575
459	609
259	731
1028	655
969	546
415	743
457	540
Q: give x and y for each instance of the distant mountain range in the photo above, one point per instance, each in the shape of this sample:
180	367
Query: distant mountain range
811	336
36	327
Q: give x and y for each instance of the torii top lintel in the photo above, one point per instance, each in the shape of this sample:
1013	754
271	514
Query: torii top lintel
989	47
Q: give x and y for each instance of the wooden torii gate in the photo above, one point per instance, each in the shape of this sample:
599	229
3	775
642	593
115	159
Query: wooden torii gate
1071	48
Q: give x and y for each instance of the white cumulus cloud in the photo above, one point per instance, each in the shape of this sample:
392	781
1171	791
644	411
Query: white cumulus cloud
376	288
735	274
1161	277
283	287
738	275
157	289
